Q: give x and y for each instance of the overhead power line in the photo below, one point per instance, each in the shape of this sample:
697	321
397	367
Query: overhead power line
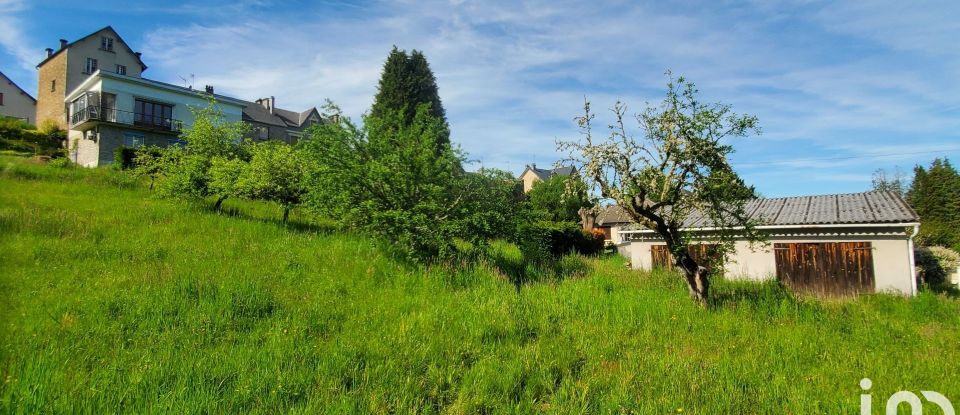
864	156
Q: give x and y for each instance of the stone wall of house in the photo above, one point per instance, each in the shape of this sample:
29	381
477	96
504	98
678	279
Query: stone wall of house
51	90
112	137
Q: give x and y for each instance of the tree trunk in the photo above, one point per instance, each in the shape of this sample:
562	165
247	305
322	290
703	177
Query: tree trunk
697	279
286	214
216	206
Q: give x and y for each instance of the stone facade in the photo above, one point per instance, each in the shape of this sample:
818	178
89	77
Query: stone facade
51	89
109	138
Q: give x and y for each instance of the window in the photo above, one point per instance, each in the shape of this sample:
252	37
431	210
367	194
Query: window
122	70
106	43
262	133
153	114
53	85
132	139
91	65
1	98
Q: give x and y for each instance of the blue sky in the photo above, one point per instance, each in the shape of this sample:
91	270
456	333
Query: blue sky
841	89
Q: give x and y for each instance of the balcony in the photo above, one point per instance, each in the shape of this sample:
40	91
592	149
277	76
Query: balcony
85	118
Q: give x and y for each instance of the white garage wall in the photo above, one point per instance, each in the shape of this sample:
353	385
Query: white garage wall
891	257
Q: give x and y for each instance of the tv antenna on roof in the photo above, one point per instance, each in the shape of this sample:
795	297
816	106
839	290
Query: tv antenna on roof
185	83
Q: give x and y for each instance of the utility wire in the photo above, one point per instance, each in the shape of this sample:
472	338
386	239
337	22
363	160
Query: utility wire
865	156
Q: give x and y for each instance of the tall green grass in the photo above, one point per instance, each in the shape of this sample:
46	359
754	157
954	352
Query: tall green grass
114	301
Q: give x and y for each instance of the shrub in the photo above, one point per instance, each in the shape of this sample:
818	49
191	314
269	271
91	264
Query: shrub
124	157
935	264
61	163
545	240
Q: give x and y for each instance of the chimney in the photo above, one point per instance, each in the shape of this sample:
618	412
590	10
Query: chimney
63	43
49	52
138	54
209	89
272	102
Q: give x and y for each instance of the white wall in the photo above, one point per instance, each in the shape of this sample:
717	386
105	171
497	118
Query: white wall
127	92
891	258
16	103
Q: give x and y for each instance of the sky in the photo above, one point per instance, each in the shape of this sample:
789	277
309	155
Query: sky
841	89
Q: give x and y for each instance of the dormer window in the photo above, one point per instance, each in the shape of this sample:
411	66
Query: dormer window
106	43
91	66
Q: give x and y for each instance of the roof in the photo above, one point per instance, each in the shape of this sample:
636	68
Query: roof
612	215
544	174
831	209
157	84
867	207
143	66
10	81
253	111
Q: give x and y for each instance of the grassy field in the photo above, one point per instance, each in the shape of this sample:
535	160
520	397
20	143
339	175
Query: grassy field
113	301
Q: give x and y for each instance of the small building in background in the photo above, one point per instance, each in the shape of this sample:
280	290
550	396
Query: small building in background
532	174
15	102
267	122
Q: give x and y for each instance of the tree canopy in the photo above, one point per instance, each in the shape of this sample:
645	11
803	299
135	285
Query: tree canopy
559	198
935	195
406	83
677	170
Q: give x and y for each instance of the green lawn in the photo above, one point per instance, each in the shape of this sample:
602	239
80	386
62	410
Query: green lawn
113	301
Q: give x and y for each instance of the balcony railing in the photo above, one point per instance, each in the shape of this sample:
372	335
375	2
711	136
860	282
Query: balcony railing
113	115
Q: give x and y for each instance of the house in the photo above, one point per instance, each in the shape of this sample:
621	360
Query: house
611	220
532	175
63	70
109	110
269	122
836	244
15	102
93	87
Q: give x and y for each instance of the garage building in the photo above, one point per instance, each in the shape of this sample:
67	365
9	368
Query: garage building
838	244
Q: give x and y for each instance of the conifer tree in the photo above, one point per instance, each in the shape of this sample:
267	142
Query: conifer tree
406	82
935	195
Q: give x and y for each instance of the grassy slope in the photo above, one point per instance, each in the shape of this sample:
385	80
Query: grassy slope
116	301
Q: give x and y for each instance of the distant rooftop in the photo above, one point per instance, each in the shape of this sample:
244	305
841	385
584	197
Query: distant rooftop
545	174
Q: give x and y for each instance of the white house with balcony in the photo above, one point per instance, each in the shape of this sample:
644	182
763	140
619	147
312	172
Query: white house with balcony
109	110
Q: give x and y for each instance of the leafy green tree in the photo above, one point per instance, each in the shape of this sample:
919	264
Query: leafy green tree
407	82
677	170
935	195
559	198
187	172
148	161
276	172
389	178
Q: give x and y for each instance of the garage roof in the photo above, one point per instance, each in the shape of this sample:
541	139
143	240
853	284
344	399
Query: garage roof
831	209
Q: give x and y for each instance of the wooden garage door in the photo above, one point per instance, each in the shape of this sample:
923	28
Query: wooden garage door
826	268
704	254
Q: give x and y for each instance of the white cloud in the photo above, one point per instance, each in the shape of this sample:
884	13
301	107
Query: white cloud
12	38
513	74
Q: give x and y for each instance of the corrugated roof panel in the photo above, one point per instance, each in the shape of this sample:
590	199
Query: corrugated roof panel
822	209
852	208
794	211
